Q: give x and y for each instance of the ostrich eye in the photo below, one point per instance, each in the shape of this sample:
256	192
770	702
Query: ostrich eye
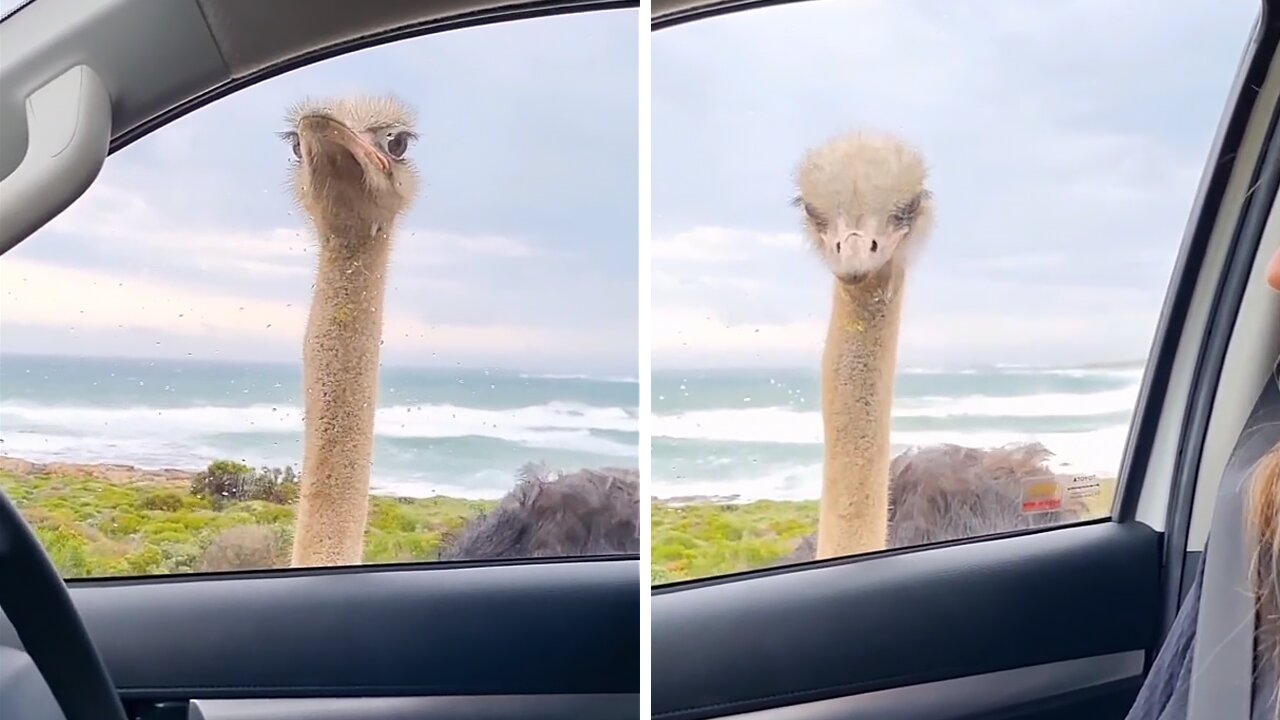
903	215
396	143
815	217
294	144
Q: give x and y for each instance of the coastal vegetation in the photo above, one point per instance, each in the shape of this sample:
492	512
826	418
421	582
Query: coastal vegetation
702	539
97	522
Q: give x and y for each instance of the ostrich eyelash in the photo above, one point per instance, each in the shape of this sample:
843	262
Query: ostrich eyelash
814	216
395	130
906	211
291	137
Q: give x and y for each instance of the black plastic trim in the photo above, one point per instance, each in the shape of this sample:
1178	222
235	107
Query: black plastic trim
341	570
793	637
14	10
710	10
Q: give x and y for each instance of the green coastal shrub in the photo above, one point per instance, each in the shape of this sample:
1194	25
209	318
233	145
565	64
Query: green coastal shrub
67	549
101	528
245	547
225	481
165	501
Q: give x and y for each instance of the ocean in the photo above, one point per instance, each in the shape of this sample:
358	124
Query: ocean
751	434
440	431
746	434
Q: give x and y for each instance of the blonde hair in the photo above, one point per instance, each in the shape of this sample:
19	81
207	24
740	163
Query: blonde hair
1264	522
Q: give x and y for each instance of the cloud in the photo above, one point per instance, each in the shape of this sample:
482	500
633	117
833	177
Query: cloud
201	290
36	294
772	310
718	244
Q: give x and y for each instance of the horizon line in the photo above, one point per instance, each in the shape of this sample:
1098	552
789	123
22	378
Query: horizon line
532	373
598	375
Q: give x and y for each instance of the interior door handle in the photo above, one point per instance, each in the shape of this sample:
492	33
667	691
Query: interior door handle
68	135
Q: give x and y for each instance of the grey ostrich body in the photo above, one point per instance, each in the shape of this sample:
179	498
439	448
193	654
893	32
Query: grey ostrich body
588	512
948	492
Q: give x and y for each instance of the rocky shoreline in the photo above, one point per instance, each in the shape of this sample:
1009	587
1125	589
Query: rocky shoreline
124	474
106	472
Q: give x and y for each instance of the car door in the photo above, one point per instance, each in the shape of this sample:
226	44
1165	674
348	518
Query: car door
1057	621
180	575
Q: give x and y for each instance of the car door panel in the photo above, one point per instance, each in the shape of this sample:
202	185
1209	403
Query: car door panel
844	629
1085	687
549	628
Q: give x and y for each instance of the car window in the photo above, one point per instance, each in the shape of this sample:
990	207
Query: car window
908	260
409	269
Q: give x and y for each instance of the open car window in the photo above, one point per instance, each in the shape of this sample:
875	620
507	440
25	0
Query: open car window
1035	168
154	393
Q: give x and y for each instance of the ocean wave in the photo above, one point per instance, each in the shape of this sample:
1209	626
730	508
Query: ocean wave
762	425
144	452
483	485
558	425
488	484
1107	402
1132	372
790	425
1096	452
801	481
574	376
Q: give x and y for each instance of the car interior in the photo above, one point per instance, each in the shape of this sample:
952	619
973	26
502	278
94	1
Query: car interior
539	638
1060	622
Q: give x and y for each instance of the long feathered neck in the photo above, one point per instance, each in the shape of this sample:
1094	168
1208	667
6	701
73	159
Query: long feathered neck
340	375
857	398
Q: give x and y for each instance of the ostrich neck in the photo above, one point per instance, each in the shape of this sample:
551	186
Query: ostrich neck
857	397
340	378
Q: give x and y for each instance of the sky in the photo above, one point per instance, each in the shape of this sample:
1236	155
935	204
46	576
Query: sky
1065	140
521	250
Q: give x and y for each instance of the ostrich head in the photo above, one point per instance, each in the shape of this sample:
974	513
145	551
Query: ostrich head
865	203
350	164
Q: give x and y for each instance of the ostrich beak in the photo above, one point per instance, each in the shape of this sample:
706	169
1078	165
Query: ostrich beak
322	130
864	239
